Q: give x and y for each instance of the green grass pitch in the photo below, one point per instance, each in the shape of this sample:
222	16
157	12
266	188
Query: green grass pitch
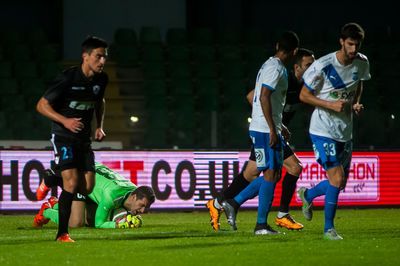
371	237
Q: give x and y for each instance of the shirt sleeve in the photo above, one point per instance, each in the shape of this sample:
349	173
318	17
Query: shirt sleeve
270	75
366	75
56	89
314	77
102	216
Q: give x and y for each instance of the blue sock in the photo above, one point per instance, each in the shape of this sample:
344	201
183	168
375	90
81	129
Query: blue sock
331	200
317	191
250	191
265	198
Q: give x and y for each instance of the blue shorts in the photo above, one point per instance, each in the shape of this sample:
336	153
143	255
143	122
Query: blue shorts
331	153
267	157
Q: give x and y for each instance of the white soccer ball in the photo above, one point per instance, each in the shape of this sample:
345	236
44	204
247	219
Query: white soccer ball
117	214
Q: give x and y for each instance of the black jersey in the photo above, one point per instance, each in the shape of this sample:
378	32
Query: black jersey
292	98
73	95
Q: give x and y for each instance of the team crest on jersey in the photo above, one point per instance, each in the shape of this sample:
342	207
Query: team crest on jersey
96	89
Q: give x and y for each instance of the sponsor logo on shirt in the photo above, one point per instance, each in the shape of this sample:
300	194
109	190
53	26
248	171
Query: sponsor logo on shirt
81	105
341	94
78	88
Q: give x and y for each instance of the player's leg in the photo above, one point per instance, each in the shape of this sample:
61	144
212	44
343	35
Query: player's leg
87	170
70	184
77	217
240	182
294	168
265	199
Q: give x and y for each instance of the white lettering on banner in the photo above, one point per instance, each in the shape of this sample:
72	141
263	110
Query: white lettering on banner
362	184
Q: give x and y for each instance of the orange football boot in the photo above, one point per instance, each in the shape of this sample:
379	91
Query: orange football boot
288	222
65	238
39	219
42	191
214	213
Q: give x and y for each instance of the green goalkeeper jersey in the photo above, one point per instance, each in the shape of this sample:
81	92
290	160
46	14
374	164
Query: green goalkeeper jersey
110	192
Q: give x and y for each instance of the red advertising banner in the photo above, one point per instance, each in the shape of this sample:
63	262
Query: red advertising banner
188	179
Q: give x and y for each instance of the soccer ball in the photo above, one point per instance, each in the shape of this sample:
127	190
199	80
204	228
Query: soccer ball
117	214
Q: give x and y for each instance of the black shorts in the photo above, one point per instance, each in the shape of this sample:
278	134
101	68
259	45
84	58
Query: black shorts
70	154
287	152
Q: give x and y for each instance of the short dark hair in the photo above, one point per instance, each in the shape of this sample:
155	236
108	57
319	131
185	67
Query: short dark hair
145	192
352	30
288	42
91	43
302	52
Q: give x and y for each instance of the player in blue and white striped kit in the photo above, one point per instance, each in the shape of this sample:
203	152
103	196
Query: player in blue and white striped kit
333	84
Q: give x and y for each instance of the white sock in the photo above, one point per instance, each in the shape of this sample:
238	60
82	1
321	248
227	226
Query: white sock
217	204
281	214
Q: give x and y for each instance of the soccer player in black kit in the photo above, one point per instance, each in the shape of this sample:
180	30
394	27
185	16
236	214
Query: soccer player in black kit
302	60
70	102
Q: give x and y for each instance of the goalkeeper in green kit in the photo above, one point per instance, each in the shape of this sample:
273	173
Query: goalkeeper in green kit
111	193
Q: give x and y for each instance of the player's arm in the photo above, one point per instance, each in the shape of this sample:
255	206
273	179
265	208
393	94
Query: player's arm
250	97
307	96
44	107
265	100
100	110
357	107
103	213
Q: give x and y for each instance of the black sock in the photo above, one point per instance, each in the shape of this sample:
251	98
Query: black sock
288	188
64	212
51	179
238	184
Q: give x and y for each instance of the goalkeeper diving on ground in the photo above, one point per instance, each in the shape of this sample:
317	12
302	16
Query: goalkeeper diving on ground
111	194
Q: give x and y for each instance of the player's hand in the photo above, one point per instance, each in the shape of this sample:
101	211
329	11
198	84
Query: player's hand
285	133
99	134
73	124
357	108
273	138
338	106
129	222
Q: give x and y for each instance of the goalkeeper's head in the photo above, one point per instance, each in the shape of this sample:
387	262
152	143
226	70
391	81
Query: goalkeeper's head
140	200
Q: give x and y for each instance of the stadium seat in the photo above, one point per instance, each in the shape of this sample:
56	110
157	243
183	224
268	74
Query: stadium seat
155	88
150	35
176	36
125	36
153	70
229	36
2	53
31	101
6	133
181	86
126	55
6	70
257	53
178	70
157	104
32	86
19	53
203	36
152	53
230	53
204	53
208	86
155	138
255	36
27	69
49	71
3	120
37	37
8	86
10	37
235	86
206	70
46	53
231	70
11	103
178	54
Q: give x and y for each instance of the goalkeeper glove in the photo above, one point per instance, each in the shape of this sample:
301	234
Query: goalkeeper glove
129	222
